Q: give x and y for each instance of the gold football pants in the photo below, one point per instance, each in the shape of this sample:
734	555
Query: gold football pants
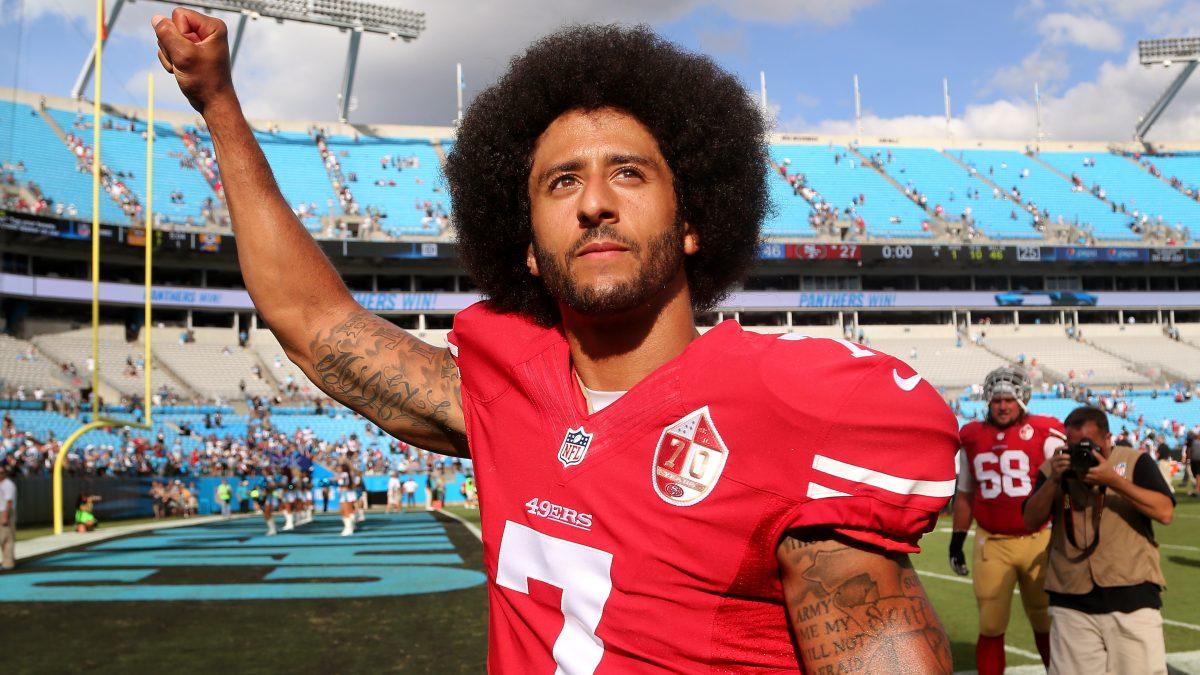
1000	563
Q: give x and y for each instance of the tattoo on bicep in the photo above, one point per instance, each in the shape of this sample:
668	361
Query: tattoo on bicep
848	619
385	372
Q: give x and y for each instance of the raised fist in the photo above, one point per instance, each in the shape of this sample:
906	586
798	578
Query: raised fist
194	48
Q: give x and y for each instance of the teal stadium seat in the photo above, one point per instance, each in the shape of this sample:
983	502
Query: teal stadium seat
887	212
1126	182
946	183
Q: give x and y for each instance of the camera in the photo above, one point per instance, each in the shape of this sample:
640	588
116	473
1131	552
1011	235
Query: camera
1082	458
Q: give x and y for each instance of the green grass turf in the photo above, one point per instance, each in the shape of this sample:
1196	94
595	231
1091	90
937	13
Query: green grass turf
44	530
955	602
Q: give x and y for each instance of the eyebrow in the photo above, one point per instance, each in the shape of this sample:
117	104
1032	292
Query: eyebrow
577	164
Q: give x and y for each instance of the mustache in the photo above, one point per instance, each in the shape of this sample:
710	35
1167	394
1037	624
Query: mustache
607	232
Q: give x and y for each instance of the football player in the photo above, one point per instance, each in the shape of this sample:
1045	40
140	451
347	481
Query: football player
1002	455
653	499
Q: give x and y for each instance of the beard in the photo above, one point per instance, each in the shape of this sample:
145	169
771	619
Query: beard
663	259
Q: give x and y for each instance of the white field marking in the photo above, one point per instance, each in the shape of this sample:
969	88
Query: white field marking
1017	591
1180	662
1180	547
466	523
955	579
1022	652
1180	624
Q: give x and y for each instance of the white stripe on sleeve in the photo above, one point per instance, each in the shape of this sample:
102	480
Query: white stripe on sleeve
883	481
818	491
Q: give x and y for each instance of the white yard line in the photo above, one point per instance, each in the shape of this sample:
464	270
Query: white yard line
466	523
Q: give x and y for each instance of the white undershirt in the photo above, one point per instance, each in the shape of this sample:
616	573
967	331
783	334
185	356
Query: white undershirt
598	400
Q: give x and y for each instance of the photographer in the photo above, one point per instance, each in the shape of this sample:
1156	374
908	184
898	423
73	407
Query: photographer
1104	579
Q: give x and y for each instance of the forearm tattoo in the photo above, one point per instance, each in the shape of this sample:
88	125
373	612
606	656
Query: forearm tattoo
387	374
854	611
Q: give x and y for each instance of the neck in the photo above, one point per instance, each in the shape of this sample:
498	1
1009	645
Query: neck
615	352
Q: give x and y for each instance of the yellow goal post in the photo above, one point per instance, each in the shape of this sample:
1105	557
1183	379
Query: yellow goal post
98	420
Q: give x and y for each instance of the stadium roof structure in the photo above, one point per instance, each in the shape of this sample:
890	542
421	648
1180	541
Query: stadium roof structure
352	15
1166	52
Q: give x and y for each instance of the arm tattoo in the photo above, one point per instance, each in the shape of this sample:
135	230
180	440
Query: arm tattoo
387	374
858	611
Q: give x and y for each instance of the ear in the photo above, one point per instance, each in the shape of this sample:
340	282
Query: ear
691	240
531	261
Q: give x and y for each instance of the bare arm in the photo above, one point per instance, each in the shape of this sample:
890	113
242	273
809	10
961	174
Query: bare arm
410	389
1151	503
1036	509
856	610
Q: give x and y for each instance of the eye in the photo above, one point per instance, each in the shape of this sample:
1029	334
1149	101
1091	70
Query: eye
629	172
564	181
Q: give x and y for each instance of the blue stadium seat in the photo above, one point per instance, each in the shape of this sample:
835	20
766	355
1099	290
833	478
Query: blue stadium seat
1129	184
416	184
1049	191
946	183
886	211
49	162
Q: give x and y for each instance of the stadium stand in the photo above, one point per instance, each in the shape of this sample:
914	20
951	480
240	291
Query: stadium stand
840	177
936	352
792	212
1146	344
1046	347
1156	409
949	185
1128	185
49	163
1185	168
399	177
21	365
179	189
214	371
1042	187
74	347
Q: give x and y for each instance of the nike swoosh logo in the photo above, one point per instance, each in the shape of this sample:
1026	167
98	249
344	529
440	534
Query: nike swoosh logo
906	383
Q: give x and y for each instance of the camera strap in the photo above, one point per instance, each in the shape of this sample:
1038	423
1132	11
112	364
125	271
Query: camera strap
1069	522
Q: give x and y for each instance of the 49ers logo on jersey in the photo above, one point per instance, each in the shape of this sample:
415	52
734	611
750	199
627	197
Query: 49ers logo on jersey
689	459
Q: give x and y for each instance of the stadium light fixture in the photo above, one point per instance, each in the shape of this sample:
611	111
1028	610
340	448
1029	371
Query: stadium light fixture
353	15
1166	52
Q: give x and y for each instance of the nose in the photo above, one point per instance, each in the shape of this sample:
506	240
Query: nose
597	204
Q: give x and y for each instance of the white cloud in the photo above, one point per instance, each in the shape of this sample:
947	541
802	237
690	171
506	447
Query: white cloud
1045	67
1104	109
1060	28
1125	10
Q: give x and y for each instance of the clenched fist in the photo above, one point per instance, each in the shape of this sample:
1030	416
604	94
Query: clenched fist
194	48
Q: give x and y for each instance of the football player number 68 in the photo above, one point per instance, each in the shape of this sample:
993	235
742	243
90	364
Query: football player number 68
583	574
1008	473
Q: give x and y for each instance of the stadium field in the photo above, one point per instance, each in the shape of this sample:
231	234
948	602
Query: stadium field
221	596
952	596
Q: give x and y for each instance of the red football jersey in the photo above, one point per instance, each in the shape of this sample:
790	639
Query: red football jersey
643	536
1001	468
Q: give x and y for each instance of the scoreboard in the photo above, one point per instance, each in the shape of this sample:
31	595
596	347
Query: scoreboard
969	255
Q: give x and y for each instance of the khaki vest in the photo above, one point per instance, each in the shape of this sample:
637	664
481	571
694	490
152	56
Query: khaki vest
1127	554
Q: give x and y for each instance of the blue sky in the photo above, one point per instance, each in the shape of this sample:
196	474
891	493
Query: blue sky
1081	51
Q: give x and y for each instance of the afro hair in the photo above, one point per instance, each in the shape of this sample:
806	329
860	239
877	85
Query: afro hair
709	130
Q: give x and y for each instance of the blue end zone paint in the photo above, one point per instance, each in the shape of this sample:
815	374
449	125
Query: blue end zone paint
396	554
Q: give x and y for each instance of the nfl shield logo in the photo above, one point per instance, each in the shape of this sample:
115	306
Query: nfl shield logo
574	447
689	459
